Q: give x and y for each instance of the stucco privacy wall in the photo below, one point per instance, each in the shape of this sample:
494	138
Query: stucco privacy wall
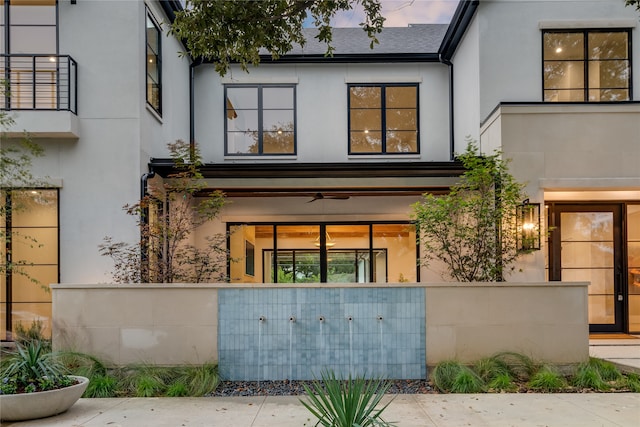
178	323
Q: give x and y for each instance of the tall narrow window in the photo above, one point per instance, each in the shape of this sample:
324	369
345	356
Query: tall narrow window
586	65
154	65
260	120
383	119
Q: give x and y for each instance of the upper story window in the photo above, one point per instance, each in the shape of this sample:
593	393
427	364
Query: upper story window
383	119
260	119
154	65
28	27
586	65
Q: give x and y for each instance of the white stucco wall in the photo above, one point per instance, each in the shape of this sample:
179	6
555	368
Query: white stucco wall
99	171
322	115
511	43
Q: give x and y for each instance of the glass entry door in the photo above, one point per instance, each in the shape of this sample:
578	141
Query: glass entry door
587	246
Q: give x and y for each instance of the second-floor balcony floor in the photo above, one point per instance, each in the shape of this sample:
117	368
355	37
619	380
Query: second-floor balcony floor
41	92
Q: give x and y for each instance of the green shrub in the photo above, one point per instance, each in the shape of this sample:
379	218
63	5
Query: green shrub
548	380
502	382
346	403
490	368
607	370
102	386
467	381
200	380
632	382
177	389
520	366
444	374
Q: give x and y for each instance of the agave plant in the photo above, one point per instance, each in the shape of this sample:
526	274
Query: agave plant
32	368
346	403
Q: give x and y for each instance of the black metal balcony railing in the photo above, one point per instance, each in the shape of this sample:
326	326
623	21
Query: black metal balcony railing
39	82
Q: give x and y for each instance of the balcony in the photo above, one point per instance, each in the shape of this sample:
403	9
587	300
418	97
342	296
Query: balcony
42	90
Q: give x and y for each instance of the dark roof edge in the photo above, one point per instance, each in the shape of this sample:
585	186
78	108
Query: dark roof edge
170	7
344	58
459	23
165	167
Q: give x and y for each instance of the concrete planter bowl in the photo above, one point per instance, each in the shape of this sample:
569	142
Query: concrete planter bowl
29	406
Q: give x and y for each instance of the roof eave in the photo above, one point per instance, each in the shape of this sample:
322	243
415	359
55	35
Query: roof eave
457	28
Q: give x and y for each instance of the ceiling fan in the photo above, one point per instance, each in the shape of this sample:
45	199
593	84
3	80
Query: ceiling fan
322	196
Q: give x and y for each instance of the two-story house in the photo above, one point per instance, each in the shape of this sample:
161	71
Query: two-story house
321	157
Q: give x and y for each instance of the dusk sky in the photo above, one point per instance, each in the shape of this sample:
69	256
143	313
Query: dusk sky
400	13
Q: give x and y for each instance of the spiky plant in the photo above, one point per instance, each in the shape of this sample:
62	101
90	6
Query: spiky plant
346	403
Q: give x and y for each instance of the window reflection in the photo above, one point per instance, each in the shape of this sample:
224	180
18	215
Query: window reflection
348	253
586	66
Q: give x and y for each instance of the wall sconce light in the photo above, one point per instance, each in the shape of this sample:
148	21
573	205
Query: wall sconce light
528	226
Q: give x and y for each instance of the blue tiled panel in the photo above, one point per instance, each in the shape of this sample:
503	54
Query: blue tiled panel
393	347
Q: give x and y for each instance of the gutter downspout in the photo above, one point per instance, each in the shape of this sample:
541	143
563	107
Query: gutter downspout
449	64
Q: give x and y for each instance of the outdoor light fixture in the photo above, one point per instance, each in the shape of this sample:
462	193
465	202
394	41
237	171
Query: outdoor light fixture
528	226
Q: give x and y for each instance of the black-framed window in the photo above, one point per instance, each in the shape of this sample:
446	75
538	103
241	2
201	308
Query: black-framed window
260	120
383	119
154	64
586	65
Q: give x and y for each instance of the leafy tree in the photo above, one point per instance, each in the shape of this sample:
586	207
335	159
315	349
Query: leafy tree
167	217
228	31
472	229
16	159
635	3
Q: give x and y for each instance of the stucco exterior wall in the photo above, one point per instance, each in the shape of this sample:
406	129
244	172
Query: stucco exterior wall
321	112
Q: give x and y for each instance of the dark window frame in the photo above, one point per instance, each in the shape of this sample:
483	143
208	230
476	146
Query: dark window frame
383	109
260	112
158	60
585	32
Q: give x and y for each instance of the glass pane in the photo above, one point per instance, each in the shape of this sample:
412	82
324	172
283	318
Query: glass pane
242	142
612	45
602	279
242	98
41	13
27	313
35	208
278	143
564	95
609	74
633	222
401	119
601	309
587	226
264	245
399	242
370	120
307	267
153	36
402	97
563	46
33	40
604	95
35	245
24	290
366	142
277	97
243	121
587	254
277	120
563	75
341	267
402	142
365	97
634	313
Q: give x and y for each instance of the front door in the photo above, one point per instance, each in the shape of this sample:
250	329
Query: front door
586	245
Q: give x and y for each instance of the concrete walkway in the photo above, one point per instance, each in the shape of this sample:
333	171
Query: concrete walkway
624	353
424	410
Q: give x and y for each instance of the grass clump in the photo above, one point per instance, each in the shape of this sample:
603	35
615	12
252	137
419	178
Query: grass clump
547	379
101	386
346	403
453	377
199	380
